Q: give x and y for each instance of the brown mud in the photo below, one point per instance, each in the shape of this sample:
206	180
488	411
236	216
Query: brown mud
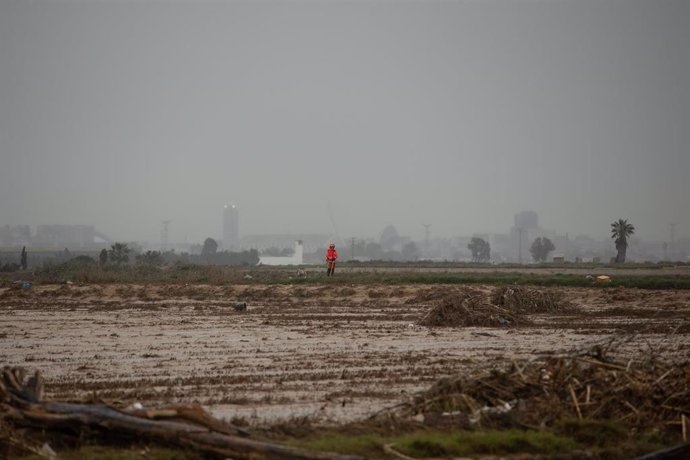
333	353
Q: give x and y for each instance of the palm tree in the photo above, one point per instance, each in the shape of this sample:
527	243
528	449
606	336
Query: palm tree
621	230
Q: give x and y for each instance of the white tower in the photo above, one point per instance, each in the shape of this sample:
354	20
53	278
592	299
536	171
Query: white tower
231	227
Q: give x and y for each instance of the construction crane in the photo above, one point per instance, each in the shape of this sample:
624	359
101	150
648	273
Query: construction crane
335	228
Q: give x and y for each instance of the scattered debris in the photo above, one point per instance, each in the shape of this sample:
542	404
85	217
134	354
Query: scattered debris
22	405
649	395
134	407
240	306
603	279
47	451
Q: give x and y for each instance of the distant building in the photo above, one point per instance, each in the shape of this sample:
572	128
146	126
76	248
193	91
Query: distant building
65	236
526	220
310	241
523	232
231	227
15	236
295	259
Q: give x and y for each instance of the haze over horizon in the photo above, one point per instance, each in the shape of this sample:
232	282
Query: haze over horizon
457	114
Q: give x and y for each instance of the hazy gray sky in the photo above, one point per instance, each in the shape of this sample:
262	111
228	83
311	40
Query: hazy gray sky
453	113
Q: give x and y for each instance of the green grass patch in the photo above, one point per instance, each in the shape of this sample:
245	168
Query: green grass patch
442	444
593	433
484	442
499	279
223	275
603	439
366	445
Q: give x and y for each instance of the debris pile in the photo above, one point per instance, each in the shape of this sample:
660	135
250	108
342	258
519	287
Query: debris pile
506	306
469	308
525	300
541	392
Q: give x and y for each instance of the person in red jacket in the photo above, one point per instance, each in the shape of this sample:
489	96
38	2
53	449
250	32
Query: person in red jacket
331	257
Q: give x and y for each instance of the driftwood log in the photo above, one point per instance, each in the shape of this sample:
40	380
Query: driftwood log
21	404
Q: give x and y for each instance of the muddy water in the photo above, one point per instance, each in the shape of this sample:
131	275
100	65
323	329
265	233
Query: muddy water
331	354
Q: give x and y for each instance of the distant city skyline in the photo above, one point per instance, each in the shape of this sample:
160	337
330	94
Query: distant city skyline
511	245
525	220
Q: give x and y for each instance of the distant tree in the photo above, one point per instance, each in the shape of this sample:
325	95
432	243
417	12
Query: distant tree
410	252
540	249
620	231
481	250
154	258
24	262
83	259
169	256
250	257
210	247
9	267
119	253
278	252
103	257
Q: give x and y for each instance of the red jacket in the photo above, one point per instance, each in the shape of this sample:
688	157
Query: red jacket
331	254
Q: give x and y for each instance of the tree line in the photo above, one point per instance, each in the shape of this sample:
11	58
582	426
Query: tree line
542	246
121	254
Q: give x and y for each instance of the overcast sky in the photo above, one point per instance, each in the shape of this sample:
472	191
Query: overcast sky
452	113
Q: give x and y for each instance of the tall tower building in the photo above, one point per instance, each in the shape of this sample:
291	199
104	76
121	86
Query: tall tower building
231	227
524	231
526	220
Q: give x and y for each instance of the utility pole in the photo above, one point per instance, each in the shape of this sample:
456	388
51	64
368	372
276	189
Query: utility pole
672	231
426	238
164	235
519	229
352	254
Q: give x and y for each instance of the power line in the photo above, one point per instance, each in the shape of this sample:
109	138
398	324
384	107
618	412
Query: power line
672	232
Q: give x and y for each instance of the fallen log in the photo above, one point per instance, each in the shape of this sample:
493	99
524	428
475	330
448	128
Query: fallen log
21	404
193	414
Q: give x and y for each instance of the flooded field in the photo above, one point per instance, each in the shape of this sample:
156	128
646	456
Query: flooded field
332	353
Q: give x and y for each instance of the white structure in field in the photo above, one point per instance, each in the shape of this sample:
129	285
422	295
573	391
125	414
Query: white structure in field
296	259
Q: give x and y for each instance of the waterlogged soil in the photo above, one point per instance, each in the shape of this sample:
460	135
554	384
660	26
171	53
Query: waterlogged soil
331	353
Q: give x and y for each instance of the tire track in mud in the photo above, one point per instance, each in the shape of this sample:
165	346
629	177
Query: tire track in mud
331	353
